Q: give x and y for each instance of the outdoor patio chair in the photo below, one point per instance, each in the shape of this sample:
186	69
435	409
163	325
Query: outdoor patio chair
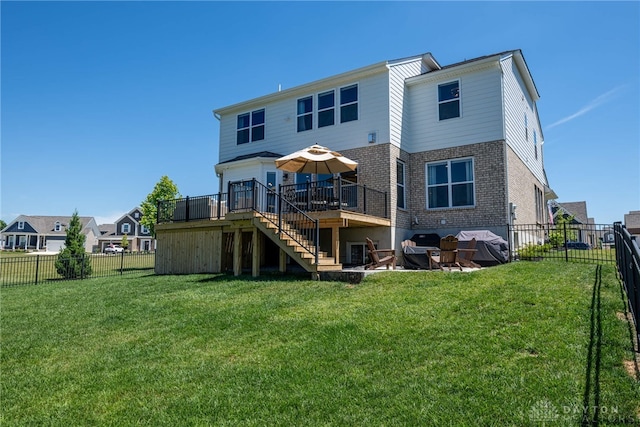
465	255
449	252
376	261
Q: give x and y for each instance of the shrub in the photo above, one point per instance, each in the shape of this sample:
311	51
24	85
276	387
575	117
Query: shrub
531	251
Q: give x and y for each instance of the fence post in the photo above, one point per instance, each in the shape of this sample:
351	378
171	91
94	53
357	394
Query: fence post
566	247
37	267
186	209
121	262
82	267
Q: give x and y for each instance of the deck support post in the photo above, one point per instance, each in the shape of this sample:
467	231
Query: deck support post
237	252
256	251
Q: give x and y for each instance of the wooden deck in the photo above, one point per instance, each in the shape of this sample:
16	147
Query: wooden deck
240	239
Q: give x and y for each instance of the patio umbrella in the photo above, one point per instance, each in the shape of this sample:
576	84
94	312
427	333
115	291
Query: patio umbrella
316	159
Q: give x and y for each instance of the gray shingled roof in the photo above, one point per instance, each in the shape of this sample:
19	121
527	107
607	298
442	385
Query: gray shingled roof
46	224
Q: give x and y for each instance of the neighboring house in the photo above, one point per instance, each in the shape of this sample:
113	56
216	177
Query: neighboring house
586	228
576	210
632	222
451	148
46	233
138	236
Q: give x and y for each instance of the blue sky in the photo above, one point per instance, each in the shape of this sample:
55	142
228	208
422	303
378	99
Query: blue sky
100	99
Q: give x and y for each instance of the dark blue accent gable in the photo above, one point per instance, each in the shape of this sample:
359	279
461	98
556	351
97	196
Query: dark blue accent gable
13	228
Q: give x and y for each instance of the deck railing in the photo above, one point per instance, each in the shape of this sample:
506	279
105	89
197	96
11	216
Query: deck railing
330	194
337	193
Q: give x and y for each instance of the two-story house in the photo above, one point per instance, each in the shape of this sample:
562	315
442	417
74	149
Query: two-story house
451	148
46	233
138	236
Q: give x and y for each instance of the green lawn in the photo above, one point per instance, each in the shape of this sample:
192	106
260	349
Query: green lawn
528	343
19	268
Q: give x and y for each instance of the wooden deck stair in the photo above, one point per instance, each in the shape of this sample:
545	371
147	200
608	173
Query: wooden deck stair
288	241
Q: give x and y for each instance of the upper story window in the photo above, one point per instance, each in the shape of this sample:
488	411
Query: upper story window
326	108
401	184
144	229
136	215
57	226
450	184
526	127
449	100
125	228
250	127
305	114
20	225
535	143
349	103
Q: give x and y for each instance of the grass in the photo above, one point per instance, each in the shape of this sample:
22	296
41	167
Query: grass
20	268
511	345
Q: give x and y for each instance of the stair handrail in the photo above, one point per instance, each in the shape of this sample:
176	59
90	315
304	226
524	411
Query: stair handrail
266	200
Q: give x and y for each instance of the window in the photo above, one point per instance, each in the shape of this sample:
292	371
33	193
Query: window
136	215
126	228
57	226
250	127
450	184
535	143
305	114
349	103
326	108
449	100
539	198
144	229
401	184
526	127
20	225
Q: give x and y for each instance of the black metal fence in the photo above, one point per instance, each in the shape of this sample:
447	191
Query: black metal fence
628	261
37	269
567	242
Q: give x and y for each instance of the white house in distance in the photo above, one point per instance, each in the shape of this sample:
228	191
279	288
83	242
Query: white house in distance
451	148
46	233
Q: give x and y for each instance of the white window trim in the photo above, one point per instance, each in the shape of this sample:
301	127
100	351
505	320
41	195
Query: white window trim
319	110
403	185
122	227
458	99
20	225
252	125
57	226
450	184
356	102
310	113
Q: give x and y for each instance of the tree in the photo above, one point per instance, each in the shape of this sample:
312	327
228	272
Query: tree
165	189
72	261
562	229
124	242
3	225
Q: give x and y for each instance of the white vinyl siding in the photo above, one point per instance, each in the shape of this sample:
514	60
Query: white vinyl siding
397	75
281	115
481	120
518	103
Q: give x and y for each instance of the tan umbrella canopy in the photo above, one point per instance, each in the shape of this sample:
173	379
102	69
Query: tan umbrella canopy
316	159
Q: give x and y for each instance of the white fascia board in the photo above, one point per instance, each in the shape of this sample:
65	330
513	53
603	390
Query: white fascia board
526	75
305	89
221	167
453	71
